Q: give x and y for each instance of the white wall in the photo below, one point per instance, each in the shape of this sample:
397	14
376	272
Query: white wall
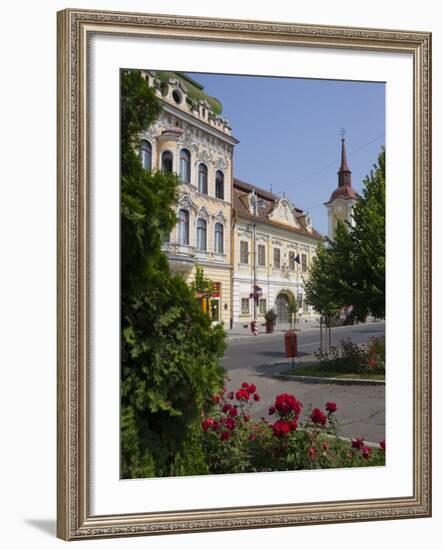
28	271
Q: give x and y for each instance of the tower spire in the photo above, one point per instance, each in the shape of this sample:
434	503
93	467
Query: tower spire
344	174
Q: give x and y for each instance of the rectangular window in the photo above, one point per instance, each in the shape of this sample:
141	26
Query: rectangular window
261	255
292	261
304	263
245	305
262	306
277	258
244	252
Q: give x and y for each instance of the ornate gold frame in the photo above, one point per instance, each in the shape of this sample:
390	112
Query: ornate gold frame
74	30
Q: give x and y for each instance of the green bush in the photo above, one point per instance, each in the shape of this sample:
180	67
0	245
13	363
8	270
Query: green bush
350	358
169	350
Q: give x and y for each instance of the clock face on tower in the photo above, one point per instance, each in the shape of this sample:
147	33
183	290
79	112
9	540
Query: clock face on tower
339	209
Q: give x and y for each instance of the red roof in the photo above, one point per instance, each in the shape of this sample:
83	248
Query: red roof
345	192
241	190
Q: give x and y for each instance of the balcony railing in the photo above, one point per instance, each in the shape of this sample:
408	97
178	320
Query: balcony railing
191	253
177	249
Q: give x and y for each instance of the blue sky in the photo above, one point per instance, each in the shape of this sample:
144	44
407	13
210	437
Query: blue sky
289	132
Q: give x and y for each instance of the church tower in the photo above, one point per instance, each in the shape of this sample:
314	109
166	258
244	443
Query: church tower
342	200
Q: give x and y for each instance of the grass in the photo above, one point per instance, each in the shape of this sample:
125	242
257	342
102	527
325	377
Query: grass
322	370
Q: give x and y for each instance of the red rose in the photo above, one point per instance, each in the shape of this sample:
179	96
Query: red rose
271	410
229	423
215	398
252	388
246	417
256	397
245	385
366	452
252	437
357	443
325	445
281	428
224	436
331	407
383	444
286	403
233	412
312	453
318	417
206	424
227	407
242	395
293	425
231	395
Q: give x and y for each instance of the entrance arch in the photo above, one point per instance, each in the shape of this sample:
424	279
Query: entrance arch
282	305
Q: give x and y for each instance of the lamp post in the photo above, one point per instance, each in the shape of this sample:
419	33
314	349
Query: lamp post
254	260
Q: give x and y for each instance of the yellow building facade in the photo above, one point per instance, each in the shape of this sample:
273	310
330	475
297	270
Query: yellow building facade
193	140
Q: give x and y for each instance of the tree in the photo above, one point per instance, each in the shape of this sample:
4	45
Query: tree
169	350
351	269
201	284
368	241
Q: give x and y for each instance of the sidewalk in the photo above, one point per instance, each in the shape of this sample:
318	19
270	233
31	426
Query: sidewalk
242	332
304	326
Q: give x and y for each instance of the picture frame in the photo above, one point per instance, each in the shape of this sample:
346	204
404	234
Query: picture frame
75	517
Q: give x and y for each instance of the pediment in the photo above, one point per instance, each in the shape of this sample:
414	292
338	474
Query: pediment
283	213
185	201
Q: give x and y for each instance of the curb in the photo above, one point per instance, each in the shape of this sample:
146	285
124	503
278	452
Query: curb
338	381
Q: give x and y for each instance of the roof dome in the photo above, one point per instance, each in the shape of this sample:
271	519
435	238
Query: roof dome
344	192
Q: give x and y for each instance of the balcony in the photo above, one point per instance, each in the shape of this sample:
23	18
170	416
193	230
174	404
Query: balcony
181	256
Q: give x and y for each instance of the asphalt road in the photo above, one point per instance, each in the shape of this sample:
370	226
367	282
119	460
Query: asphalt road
361	409
254	351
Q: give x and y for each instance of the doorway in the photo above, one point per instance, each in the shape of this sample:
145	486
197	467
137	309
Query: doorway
282	303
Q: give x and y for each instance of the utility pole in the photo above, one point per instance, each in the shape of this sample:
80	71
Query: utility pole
254	259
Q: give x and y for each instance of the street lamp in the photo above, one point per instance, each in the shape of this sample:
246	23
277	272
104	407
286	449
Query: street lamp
254	262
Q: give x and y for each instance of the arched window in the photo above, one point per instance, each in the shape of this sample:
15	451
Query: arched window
219	185
203	178
218	238
201	234
145	153
167	160
183	227
185	166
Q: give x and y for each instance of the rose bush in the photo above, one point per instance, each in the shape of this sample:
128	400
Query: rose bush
234	443
349	357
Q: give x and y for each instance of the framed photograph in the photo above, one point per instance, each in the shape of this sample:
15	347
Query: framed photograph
243	274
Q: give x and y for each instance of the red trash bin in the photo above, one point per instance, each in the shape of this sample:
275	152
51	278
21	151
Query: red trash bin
291	347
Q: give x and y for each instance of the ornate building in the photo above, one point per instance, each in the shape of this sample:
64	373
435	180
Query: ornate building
192	139
285	244
342	200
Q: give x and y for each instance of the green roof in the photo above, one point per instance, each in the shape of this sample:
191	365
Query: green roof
194	89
